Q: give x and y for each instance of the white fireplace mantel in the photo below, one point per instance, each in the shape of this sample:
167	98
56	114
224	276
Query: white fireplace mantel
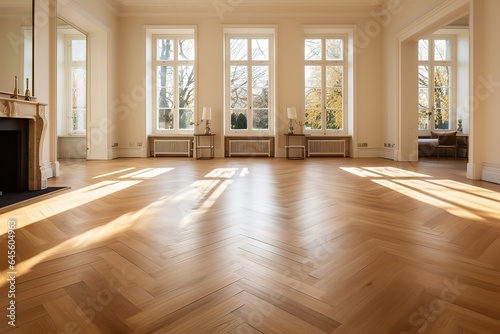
35	112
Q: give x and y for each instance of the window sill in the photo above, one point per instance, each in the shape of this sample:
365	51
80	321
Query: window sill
165	135
72	136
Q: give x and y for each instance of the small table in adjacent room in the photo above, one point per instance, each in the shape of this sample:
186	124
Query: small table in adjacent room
300	146
203	143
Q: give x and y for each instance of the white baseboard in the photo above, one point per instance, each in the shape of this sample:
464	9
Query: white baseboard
388	153
132	152
375	152
491	172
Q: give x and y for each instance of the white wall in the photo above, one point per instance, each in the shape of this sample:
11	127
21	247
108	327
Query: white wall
487	93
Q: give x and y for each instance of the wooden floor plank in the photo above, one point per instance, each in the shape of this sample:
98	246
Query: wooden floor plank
257	245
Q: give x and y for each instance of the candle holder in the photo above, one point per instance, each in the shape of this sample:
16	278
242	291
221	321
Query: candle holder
300	124
15	95
27	94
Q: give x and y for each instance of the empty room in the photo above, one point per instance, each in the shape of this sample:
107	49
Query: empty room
250	166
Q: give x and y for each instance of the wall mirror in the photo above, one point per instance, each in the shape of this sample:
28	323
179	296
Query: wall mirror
16	46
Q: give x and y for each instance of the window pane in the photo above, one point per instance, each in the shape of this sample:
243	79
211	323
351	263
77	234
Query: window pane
260	49
239	119
78	87
334	49
423	119
165	98
334	98
423	98
186	118
186	49
78	50
313	76
186	86
334	106
165	119
239	87
260	90
442	49
164	49
313	49
165	76
313	98
333	119
334	76
442	76
239	49
260	98
423	76
79	121
260	76
260	119
441	97
313	119
313	108
165	89
423	50
442	119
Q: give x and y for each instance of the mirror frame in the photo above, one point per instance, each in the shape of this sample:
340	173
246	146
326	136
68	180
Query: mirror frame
32	96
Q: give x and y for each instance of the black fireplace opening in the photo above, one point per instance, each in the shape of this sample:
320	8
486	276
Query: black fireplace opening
14	153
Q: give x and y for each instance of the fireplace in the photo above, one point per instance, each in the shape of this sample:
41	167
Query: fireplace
14	136
22	129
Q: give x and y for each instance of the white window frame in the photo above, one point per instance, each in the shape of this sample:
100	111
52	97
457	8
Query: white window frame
345	86
250	33
175	33
68	66
431	63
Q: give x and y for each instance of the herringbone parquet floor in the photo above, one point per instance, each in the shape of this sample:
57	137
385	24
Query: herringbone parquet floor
242	245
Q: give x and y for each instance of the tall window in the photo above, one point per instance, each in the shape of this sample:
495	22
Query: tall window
76	72
436	67
174	68
249	78
325	75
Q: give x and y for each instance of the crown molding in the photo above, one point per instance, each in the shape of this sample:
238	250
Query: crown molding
247	8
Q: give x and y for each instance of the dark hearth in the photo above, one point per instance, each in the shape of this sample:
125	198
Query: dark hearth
14	166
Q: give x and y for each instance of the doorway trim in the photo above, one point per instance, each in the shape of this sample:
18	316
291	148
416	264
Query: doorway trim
407	97
98	134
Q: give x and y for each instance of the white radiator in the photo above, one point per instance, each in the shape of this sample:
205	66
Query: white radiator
325	147
249	147
172	147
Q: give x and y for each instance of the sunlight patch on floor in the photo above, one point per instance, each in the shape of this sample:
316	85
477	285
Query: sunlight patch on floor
382	172
113	173
405	187
460	199
225	173
73	199
88	238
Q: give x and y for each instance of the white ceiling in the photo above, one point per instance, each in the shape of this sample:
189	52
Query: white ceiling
241	6
141	3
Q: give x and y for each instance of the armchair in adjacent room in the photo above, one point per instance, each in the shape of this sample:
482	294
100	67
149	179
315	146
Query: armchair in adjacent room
446	140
